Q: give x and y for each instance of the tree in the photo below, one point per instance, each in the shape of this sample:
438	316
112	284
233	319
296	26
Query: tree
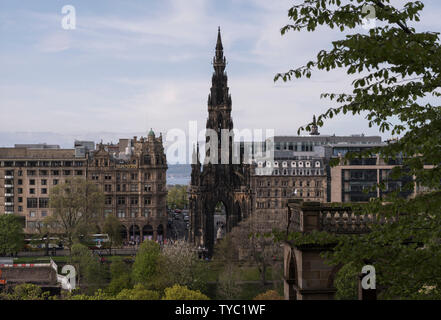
228	287
98	295
77	206
177	197
112	227
45	229
269	295
11	234
179	264
146	266
90	273
225	259
178	292
137	293
120	276
250	239
346	282
398	72
26	291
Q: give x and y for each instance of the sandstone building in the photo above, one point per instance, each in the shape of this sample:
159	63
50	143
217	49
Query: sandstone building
132	175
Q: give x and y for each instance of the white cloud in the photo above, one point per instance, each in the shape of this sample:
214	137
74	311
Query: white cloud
122	101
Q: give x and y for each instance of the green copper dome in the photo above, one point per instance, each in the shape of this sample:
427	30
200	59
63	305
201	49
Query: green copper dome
151	133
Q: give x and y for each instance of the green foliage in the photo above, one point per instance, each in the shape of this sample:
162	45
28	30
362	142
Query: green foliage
269	295
138	293
177	197
398	73
178	292
77	207
98	295
112	226
120	276
346	282
228	287
91	274
25	291
146	265
11	234
179	264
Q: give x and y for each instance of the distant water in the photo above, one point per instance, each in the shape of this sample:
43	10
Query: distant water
178	180
178	174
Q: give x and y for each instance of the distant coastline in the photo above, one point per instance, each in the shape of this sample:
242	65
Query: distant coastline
178	174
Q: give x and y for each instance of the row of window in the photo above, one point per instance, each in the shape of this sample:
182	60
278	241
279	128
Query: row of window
289	183
95	176
289	193
43	164
37	203
32	182
31	191
298	172
297	146
126	176
284	164
122	200
133	187
46	172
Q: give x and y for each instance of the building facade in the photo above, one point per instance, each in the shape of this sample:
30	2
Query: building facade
132	177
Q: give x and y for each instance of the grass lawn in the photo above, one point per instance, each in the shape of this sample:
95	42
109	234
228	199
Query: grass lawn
247	273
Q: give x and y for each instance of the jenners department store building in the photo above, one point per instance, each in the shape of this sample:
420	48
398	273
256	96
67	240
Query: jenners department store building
131	173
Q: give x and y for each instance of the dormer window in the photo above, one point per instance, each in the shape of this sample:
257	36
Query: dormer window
307	164
293	164
317	164
300	164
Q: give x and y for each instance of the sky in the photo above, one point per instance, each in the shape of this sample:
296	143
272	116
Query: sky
129	66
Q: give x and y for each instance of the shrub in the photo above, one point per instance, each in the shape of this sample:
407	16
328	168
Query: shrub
138	293
178	292
269	295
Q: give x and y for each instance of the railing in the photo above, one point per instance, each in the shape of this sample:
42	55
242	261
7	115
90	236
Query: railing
344	221
309	216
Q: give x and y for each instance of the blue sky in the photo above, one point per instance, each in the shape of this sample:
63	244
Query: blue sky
132	65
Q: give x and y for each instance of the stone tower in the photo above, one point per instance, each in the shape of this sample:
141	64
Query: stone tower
219	179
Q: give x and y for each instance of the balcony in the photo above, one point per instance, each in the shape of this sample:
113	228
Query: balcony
9	177
9	185
9	212
9	194
9	204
